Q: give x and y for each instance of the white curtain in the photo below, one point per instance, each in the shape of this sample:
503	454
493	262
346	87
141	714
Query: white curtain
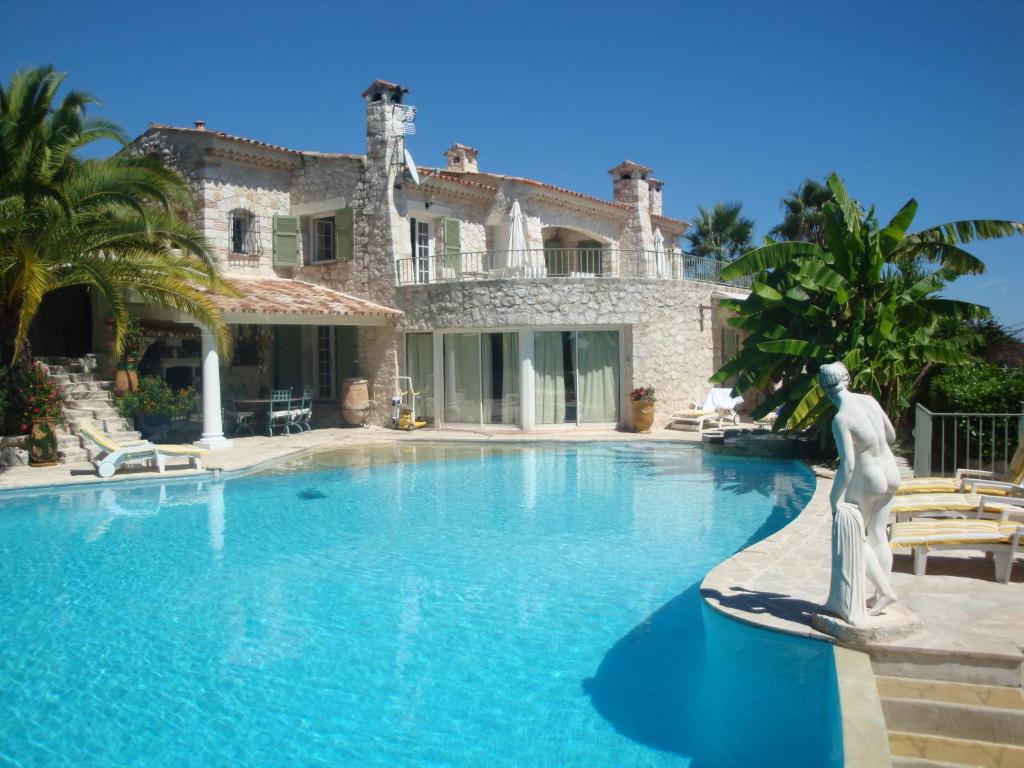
549	365
598	353
462	378
419	363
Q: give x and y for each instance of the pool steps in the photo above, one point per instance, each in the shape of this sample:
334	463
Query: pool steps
85	397
942	723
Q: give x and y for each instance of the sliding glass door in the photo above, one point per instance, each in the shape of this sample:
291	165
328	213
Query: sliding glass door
576	377
481	378
419	366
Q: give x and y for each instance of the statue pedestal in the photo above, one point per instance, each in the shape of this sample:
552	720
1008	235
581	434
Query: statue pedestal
897	621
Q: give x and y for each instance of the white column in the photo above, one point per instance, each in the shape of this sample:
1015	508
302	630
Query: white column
213	427
526	381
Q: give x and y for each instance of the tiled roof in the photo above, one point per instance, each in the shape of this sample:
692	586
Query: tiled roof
280	296
250	142
544	185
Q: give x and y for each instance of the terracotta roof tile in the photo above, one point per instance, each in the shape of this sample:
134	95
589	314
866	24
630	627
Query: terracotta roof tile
280	296
544	185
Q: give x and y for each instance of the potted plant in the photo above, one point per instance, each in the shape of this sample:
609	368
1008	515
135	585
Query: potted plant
643	401
43	411
126	378
153	404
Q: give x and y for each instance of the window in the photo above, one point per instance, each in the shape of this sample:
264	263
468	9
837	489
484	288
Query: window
337	359
323	240
244	230
576	377
422	250
481	375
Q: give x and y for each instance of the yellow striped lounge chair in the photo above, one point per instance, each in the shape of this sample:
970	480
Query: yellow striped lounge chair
912	505
115	454
962	481
693	417
987	531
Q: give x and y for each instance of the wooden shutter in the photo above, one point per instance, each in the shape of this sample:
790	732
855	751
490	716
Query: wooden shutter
344	233
286	241
452	237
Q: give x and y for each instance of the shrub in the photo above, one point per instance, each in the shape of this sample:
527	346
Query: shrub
977	388
155	398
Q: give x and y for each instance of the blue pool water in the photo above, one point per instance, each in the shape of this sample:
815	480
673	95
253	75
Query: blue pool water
426	605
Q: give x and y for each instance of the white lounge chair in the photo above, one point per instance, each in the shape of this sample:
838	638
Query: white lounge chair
987	530
693	417
116	454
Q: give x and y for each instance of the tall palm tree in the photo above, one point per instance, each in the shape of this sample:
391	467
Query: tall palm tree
722	232
114	225
804	218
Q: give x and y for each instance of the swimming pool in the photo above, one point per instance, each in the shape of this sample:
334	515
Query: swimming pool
413	605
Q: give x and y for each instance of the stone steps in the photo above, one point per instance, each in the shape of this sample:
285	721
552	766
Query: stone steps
944	723
913	749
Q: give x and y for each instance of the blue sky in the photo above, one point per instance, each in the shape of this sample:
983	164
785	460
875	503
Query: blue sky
725	100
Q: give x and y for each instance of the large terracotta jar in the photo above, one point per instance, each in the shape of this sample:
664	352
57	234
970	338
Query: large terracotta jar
42	443
126	378
643	415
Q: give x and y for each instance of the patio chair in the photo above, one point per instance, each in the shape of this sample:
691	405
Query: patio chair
987	530
693	417
303	412
721	400
961	481
279	411
114	454
240	418
912	506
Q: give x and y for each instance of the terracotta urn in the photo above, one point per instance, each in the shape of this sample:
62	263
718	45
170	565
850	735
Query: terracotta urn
643	415
42	443
126	378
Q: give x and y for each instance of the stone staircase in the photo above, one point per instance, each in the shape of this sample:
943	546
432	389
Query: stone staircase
948	724
85	397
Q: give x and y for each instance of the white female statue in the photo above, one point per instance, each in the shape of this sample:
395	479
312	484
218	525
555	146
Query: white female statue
861	498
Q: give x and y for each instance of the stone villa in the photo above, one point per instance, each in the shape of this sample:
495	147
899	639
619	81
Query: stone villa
510	302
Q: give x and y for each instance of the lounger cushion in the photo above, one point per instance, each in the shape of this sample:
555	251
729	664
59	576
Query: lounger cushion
943	502
950	532
929	485
181	450
694	414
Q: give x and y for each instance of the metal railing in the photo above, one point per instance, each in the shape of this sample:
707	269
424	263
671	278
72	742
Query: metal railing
562	263
946	442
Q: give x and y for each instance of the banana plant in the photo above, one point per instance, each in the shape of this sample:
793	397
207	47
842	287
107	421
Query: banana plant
869	296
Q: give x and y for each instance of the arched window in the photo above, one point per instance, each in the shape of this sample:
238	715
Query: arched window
244	231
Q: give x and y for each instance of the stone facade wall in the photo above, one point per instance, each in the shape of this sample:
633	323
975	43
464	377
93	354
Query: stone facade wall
670	329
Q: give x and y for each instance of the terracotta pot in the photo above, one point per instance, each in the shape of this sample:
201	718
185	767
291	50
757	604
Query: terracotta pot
643	415
355	401
42	443
126	379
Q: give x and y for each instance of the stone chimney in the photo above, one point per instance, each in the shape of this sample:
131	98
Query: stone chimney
200	125
654	195
462	158
631	185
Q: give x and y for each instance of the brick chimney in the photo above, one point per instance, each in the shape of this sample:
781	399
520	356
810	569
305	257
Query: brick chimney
462	158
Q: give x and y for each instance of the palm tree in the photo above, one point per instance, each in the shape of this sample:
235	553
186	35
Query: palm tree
114	225
804	218
869	296
721	233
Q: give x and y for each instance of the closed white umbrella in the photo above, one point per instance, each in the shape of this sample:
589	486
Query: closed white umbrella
659	253
516	237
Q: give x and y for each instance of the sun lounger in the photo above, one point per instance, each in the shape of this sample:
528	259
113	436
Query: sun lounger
986	531
115	454
914	505
962	481
694	417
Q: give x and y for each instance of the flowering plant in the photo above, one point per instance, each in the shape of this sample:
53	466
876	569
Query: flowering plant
134	344
155	398
642	395
39	397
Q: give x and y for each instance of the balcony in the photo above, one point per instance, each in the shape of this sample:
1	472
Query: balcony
567	263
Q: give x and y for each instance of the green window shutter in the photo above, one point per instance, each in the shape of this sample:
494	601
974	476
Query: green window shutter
286	241
452	237
344	234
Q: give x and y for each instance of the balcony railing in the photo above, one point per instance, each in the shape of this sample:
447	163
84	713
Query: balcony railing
562	263
945	442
